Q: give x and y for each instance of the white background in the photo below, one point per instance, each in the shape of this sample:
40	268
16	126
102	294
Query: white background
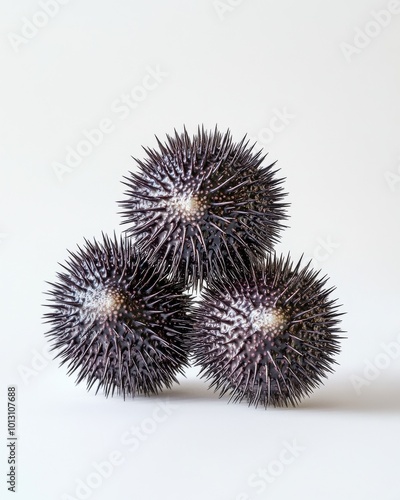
235	66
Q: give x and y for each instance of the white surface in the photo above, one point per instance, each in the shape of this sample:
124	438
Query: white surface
336	149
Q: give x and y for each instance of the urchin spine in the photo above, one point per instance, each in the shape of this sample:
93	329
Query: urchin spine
269	336
118	321
199	203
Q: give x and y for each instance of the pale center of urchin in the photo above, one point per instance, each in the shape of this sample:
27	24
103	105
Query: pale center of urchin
269	321
242	316
103	303
187	206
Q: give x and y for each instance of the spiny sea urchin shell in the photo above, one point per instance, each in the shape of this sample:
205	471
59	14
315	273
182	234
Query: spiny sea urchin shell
118	320
195	202
267	336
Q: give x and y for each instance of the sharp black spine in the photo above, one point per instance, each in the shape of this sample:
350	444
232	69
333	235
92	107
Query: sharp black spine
268	335
199	203
117	320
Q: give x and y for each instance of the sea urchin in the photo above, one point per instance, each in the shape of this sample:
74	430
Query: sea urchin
268	335
118	320
196	202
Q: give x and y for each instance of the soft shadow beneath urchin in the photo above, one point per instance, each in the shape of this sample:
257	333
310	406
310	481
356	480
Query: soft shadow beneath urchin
380	396
189	390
